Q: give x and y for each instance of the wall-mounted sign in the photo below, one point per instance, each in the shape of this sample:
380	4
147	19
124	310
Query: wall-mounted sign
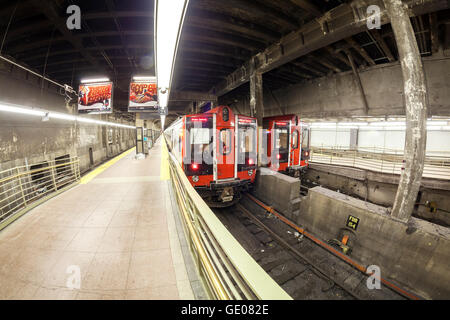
352	222
143	96
95	98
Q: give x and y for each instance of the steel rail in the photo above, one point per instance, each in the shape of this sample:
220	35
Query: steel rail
340	255
298	254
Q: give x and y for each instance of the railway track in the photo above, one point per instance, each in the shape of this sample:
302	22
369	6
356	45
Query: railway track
303	269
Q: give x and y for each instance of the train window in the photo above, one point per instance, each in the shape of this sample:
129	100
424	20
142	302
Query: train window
199	135
225	141
295	139
247	140
282	139
305	138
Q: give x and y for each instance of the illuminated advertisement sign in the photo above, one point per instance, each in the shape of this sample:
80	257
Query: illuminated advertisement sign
95	98
143	96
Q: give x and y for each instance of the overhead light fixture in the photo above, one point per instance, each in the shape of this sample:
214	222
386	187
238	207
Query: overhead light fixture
49	115
169	17
94	80
28	111
143	78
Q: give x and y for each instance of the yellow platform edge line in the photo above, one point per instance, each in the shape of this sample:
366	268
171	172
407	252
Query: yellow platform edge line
165	173
91	175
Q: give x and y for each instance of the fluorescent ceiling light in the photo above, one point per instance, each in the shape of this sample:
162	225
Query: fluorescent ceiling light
168	24
352	124
436	123
57	115
62	116
95	80
387	123
163	119
28	111
141	78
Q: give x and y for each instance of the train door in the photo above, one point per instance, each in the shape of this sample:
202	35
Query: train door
306	150
225	153
295	146
280	145
246	143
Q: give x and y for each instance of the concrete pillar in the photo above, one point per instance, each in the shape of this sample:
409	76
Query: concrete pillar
415	94
256	96
257	105
354	139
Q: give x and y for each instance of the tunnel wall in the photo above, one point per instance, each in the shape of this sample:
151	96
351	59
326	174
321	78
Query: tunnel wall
279	191
27	139
338	95
414	255
381	188
438	142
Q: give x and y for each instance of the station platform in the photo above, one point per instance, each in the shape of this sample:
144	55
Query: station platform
113	236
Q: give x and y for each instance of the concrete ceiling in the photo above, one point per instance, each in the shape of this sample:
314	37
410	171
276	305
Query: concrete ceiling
116	39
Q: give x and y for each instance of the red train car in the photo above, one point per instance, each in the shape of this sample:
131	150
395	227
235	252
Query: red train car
287	146
218	152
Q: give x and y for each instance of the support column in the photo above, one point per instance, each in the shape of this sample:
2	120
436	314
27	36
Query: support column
415	94
257	104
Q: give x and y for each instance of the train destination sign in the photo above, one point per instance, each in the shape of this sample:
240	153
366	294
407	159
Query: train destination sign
94	98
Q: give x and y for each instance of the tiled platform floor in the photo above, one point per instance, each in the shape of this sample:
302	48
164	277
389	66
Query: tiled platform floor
118	229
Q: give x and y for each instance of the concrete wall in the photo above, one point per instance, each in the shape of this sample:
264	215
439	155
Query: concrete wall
278	190
27	139
381	188
414	255
338	95
438	142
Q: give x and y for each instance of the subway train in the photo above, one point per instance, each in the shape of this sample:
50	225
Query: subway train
218	153
286	144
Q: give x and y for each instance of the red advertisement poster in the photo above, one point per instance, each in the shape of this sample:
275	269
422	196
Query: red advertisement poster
143	96
95	98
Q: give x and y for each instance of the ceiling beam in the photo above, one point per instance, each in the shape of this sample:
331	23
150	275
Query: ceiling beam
434	32
30	57
325	62
339	23
362	52
250	9
191	96
383	45
308	7
19	46
337	55
225	23
49	9
312	70
195	34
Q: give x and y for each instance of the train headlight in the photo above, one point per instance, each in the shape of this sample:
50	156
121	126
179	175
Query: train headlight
195	178
250	172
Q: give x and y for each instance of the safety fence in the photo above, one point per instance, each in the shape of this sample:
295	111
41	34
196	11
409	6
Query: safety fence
224	266
437	165
24	187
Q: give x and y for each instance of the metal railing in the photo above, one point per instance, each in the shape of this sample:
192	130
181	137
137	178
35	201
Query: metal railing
225	267
437	164
23	186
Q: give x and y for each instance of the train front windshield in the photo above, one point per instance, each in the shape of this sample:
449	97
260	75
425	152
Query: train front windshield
281	142
247	148
199	144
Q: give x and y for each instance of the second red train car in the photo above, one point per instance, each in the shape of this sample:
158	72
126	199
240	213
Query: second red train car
286	143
